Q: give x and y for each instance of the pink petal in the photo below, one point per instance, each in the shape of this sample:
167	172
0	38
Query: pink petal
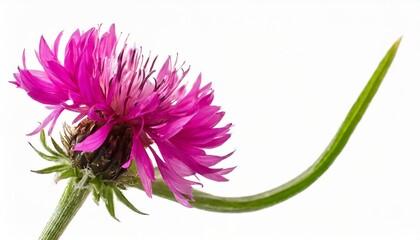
218	176
211	160
127	164
63	78
178	185
71	53
52	117
95	140
164	71
78	117
45	53
146	105
143	164
215	142
54	120
169	129
57	43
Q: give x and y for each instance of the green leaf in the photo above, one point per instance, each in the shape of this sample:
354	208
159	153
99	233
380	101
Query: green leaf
305	179
55	168
108	198
45	156
120	196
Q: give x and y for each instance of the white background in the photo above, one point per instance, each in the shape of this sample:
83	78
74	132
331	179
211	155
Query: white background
286	73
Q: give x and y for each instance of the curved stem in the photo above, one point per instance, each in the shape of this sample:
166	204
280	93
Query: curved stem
274	196
71	201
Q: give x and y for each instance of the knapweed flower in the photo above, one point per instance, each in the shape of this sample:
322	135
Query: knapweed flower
124	103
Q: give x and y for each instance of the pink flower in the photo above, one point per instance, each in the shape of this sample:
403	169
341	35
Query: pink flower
171	125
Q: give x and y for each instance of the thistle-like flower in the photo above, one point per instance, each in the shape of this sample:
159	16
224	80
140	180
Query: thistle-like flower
128	112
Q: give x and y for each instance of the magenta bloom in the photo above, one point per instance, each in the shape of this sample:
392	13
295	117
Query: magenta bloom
171	126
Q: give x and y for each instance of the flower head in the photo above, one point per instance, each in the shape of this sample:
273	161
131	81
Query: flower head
121	92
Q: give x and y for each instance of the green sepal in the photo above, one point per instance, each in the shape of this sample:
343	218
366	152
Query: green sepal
104	190
52	169
58	148
96	193
108	197
44	143
120	196
121	187
45	156
64	140
65	174
96	197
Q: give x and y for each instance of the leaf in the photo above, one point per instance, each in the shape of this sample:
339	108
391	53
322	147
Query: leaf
55	168
120	196
279	194
45	156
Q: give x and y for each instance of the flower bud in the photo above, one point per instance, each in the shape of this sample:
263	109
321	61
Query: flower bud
106	161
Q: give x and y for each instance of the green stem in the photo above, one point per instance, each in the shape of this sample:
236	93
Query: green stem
283	192
71	201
